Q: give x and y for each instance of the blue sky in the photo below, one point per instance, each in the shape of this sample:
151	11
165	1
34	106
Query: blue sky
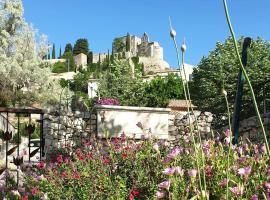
201	22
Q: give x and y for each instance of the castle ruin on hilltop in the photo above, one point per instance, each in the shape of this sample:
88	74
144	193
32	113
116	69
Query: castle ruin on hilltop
150	54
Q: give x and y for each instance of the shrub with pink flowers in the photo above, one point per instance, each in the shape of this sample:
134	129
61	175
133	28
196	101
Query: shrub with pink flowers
108	101
122	168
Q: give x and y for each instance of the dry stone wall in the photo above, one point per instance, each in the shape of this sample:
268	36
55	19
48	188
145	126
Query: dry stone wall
179	125
67	128
71	128
250	128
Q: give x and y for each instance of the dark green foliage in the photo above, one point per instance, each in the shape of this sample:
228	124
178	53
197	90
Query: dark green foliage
128	42
90	57
81	46
68	48
160	90
53	52
222	67
59	67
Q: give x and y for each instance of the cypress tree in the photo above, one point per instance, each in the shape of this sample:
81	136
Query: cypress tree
90	57
128	42
53	52
112	56
60	52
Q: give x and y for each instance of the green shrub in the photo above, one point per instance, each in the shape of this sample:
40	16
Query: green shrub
59	67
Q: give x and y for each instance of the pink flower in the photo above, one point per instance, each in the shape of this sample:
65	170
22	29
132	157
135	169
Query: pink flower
268	171
228	133
24	198
160	194
192	173
59	159
223	183
254	197
169	171
238	191
266	185
156	147
165	185
34	191
41	165
64	174
244	171
179	170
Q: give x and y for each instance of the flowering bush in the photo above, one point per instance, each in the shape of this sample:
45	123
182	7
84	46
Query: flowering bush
122	168
108	101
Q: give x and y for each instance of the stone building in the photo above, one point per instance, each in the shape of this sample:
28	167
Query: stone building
150	53
80	60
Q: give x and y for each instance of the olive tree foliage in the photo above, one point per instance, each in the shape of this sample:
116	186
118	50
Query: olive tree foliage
21	66
220	70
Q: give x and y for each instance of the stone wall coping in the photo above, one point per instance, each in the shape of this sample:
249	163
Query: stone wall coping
132	108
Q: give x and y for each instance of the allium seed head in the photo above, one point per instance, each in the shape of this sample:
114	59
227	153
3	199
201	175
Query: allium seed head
173	33
183	47
224	92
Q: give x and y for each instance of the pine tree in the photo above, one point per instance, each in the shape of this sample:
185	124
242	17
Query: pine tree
53	52
81	46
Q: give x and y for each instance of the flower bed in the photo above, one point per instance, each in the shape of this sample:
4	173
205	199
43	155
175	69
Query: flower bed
122	168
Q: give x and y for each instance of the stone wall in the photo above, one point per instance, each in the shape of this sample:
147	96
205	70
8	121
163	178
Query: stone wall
179	125
251	129
71	128
67	128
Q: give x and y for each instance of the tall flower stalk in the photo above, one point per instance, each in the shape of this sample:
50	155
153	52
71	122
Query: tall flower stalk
246	75
189	106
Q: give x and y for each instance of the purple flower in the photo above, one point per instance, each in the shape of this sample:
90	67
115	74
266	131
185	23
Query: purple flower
165	185
206	148
169	171
254	197
174	152
238	191
160	194
261	148
192	173
179	170
244	171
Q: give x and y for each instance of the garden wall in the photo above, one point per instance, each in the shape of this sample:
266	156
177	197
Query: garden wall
66	127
